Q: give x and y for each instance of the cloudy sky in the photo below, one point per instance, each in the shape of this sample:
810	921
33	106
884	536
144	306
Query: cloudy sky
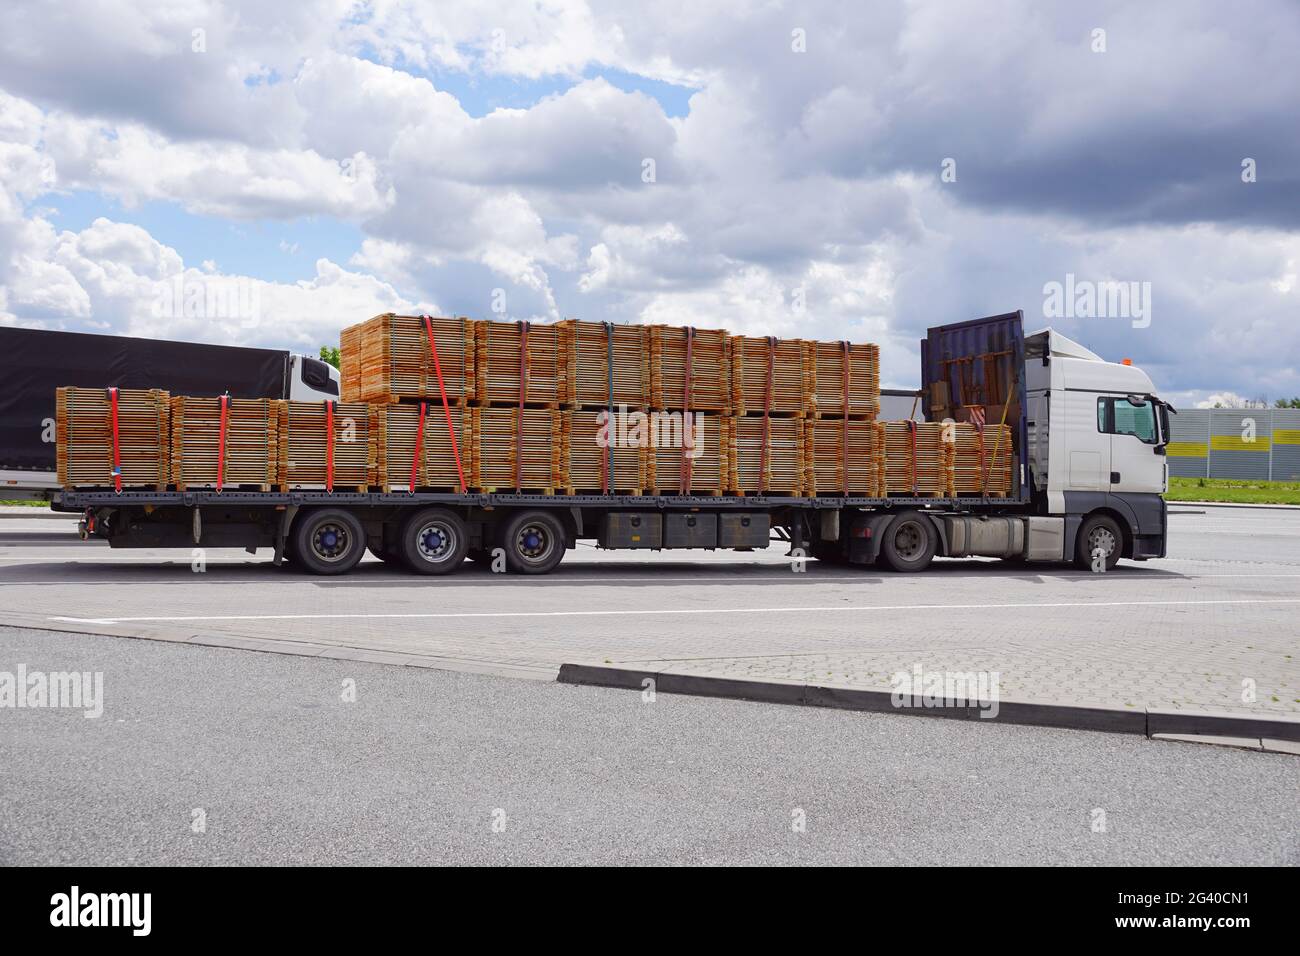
855	170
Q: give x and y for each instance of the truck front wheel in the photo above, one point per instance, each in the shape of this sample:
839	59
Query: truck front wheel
534	542
909	543
328	541
1099	536
434	541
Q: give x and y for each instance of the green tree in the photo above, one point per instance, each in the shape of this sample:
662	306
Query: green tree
330	355
1287	402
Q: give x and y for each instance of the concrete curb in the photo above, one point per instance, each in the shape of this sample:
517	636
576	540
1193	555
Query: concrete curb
1231	504
1144	721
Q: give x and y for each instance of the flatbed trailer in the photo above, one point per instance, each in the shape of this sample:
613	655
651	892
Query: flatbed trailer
433	533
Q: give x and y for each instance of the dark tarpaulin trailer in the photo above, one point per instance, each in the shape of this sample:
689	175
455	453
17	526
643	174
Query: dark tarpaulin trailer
35	362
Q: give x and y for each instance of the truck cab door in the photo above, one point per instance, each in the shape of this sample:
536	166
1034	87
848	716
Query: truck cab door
1137	463
1089	441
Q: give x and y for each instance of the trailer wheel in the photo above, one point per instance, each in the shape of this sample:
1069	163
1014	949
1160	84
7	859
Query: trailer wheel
434	541
534	542
328	541
909	543
1098	533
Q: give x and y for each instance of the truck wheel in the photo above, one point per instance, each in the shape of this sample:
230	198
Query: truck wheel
534	542
328	541
434	541
1100	532
909	543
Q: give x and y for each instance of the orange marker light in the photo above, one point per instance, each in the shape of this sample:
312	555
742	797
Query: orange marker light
1126	362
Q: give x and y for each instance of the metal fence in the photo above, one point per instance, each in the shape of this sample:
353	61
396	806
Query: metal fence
1261	443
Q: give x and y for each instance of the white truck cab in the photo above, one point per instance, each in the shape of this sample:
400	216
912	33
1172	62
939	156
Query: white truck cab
1097	436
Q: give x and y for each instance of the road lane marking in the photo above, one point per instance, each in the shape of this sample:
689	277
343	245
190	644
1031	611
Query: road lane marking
655	612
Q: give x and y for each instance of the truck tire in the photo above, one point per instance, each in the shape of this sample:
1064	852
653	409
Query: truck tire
909	543
434	541
327	541
1098	531
534	542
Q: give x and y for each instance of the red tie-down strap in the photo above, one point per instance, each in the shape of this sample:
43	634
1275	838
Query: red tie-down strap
117	445
419	445
329	445
523	396
979	432
446	406
688	434
767	420
221	441
911	427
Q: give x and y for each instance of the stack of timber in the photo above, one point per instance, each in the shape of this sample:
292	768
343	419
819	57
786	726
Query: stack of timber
599	458
843	457
917	462
690	369
243	453
84	445
766	455
689	455
398	433
326	445
517	449
589	347
981	460
845	379
520	363
769	375
388	358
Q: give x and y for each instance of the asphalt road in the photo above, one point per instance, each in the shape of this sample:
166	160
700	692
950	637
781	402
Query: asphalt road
419	767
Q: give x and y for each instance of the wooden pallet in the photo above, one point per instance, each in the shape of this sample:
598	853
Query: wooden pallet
532	437
587	445
825	363
769	374
920	468
706	469
766	456
305	447
251	454
588	347
387	358
981	460
396	428
832	471
83	432
708	375
499	350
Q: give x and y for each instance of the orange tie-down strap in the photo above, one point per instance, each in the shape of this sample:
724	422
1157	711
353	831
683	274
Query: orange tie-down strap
446	410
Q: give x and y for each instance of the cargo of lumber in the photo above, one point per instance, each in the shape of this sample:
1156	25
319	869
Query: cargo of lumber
688	456
600	457
326	445
769	375
398	433
916	458
981	460
84	430
843	457
767	455
703	383
506	350
834	368
388	358
245	452
517	449
589	347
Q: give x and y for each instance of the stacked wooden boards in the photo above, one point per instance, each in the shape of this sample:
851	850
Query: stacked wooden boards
767	455
916	459
598	459
402	428
517	449
225	443
112	438
606	364
843	457
690	369
388	358
520	363
845	379
770	375
981	460
325	445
